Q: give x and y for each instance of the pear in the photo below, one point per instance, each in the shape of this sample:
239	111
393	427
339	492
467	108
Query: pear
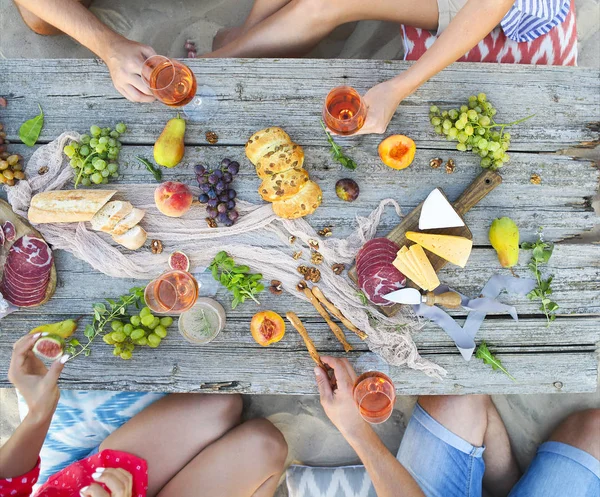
169	148
504	237
62	329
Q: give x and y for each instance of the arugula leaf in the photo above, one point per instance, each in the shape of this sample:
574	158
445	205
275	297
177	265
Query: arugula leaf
156	172
337	152
30	130
237	279
487	357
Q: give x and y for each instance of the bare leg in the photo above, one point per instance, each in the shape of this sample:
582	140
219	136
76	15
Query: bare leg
475	419
260	11
172	431
42	27
581	430
247	461
299	25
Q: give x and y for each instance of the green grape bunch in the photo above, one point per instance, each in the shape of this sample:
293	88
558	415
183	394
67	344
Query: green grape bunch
94	157
475	130
143	329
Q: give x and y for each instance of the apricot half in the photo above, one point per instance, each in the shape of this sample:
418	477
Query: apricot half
397	151
267	327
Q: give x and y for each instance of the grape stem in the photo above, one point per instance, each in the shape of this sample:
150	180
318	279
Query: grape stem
82	166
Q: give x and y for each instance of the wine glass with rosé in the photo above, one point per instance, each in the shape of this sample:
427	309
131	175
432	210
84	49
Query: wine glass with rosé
344	111
175	85
375	395
172	292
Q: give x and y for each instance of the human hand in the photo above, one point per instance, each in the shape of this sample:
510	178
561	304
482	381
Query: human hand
36	383
381	101
339	404
117	480
125	61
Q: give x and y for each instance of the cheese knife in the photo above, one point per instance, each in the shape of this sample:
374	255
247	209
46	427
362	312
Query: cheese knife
413	296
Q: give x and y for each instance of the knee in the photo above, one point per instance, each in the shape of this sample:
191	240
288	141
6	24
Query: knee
581	430
319	11
266	443
225	409
468	403
36	24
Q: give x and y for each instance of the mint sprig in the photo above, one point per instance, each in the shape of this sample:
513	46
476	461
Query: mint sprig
541	252
237	279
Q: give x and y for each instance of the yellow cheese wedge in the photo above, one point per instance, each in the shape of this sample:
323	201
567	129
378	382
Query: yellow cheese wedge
400	264
412	261
426	267
455	249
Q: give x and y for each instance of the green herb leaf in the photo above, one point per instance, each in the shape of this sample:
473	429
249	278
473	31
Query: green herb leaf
487	357
30	130
237	279
337	152
156	172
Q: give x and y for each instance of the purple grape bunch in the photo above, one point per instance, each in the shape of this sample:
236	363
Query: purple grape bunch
217	192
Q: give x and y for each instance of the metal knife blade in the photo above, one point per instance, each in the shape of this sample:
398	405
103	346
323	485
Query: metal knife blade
405	296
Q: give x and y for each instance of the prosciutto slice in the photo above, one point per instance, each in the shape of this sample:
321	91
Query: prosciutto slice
27	272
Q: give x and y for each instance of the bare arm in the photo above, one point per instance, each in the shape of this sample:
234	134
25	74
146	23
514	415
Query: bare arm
123	57
389	477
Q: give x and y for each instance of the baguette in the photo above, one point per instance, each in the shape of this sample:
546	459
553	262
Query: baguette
129	221
67	206
132	239
108	217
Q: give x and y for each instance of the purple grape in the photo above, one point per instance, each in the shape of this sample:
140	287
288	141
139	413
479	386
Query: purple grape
222	217
231	204
218	173
212	179
201	179
220	187
212	194
222	207
223	197
211	212
227	177
205	188
203	198
225	162
199	169
233	215
228	223
231	194
234	168
212	202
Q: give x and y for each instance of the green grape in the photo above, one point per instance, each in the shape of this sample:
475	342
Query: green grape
436	121
114	175
166	321
483	153
105	131
447	124
85	139
117	351
101	148
75	145
112	167
121	128
494	146
114	134
481	97
84	150
495	136
95	130
137	334
507	136
472	104
119	336
486	162
445	131
469	147
438	130
116	325
161	331
463	109
459	124
141	341
96	178
85	181
108	339
433	109
94	142
481	131
505	146
478	109
119	144
104	181
482	144
498	163
463	137
461	146
153	340
129	346
103	139
69	151
111	142
100	164
146	311
110	156
74	163
472	115
125	355
505	158
135	320
88	170
128	329
464	117
484	121
453	113
452	133
445	113
154	323
469	129
473	98
147	320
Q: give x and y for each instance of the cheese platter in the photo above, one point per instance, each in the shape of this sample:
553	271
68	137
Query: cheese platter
430	236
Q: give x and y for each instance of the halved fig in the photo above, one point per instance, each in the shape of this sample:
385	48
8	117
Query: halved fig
179	261
50	347
267	327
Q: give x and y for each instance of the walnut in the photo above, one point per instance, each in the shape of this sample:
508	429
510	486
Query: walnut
338	268
325	232
316	258
297	255
43	170
211	222
313	244
212	137
292	239
435	163
313	275
303	270
535	179
156	246
301	286
450	166
276	288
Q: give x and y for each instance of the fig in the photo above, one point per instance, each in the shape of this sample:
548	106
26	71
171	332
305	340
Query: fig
347	189
179	261
50	347
267	327
397	151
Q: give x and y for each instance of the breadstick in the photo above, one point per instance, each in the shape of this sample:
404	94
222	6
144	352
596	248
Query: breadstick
337	331
337	313
312	350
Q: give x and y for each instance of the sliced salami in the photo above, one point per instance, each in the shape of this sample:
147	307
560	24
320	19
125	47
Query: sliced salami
9	231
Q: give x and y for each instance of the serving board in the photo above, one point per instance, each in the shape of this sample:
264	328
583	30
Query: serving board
22	228
481	186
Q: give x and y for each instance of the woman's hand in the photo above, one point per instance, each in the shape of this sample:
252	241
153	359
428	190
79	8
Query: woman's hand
37	384
125	61
339	404
382	101
117	480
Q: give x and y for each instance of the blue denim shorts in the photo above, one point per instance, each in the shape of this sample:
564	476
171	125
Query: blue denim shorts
445	465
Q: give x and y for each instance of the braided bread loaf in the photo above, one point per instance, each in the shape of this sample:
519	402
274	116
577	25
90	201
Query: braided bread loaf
286	183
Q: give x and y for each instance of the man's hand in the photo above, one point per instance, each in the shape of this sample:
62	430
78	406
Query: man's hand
37	384
339	404
381	101
125	61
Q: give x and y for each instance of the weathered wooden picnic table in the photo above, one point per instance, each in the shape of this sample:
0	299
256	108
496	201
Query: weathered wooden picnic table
257	93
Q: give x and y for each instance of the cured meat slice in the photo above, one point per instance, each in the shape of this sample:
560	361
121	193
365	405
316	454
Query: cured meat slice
376	244
385	280
10	272
369	260
9	231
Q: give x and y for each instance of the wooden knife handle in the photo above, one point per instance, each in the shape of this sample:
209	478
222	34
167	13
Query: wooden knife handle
447	299
483	184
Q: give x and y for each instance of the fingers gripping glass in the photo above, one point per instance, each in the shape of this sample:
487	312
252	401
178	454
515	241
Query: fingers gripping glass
174	84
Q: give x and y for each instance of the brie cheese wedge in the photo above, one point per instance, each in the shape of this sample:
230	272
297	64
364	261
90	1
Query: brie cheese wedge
437	212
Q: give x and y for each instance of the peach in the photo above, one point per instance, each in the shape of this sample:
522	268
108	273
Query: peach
173	199
267	327
397	151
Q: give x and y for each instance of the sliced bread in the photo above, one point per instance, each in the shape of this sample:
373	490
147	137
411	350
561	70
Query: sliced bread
107	217
132	239
129	221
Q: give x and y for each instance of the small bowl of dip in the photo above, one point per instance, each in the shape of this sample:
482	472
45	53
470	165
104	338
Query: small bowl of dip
203	322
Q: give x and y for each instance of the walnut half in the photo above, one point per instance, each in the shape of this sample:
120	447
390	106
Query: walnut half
156	246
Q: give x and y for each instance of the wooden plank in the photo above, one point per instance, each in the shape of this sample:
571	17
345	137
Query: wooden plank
561	204
256	93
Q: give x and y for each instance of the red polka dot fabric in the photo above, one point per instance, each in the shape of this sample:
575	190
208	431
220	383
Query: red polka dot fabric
70	480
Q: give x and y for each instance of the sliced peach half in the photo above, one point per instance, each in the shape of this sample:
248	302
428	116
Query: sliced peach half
397	151
267	327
